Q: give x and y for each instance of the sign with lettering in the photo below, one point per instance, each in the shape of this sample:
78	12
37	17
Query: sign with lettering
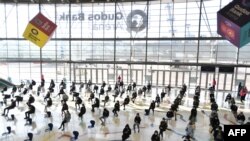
236	132
233	22
39	30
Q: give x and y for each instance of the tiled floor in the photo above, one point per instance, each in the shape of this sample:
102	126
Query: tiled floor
114	126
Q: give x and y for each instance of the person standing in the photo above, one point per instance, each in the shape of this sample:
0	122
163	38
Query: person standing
155	136
243	93
126	132
219	134
137	122
213	83
239	89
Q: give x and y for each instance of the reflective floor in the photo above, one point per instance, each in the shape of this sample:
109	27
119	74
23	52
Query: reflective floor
114	125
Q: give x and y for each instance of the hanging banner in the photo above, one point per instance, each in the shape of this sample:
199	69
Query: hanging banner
233	22
39	30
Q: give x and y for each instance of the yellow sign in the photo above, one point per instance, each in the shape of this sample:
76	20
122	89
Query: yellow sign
35	35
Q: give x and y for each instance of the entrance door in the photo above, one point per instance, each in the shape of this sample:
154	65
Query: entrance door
124	74
137	76
178	78
206	79
225	81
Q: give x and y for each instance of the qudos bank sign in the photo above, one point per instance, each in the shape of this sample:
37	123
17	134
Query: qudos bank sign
136	20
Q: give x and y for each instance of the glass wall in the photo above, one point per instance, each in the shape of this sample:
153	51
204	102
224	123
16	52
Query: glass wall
143	32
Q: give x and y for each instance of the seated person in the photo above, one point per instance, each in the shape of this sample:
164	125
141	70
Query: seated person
65	97
4	90
109	89
228	98
30	111
48	104
116	108
13	91
126	102
75	94
66	119
31	100
106	99
134	95
214	106
47	96
61	92
82	111
92	96
157	100
65	106
78	102
105	115
241	118
116	94
96	104
12	106
101	91
103	84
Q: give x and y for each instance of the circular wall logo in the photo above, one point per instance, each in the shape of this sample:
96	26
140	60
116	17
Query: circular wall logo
136	21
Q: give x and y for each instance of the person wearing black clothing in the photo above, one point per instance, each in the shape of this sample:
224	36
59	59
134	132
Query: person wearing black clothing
78	102
234	109
92	96
30	100
14	89
12	106
214	106
184	88
66	119
101	91
75	94
126	132
162	95
62	85
144	89
170	114
30	87
218	134
72	88
134	95
96	88
31	110
215	122
228	98
96	104
52	84
106	99
158	100
116	86
89	84
105	115
116	108
193	115
155	136
61	92
103	84
241	118
174	108
140	92
109	89
65	106
129	88
82	111
121	84
134	85
137	121
239	89
126	102
163	126
149	87
152	106
47	95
